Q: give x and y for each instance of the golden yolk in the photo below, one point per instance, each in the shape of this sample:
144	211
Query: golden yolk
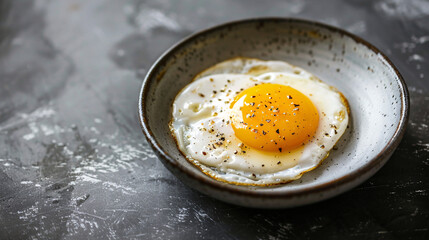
274	117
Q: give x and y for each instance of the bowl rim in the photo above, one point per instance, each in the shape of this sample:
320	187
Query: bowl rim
300	192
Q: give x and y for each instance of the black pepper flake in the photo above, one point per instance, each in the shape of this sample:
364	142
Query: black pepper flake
280	149
261	124
214	92
201	95
228	81
278	163
296	105
263	132
243	151
253	96
289	97
222	139
278	131
326	134
322	147
293	133
204	153
253	175
263	165
335	131
235	152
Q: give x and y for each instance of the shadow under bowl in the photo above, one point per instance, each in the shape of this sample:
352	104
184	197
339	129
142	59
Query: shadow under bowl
376	92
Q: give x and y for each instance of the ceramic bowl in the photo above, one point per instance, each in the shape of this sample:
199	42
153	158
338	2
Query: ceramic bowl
376	92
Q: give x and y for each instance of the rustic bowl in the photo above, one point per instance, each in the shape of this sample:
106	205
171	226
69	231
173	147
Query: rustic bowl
376	92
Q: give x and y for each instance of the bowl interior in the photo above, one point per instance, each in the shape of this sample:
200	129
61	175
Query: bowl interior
367	80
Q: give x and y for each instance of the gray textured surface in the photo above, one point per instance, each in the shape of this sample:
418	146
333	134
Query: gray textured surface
74	163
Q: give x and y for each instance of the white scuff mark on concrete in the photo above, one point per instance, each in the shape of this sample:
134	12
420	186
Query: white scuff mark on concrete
405	47
420	40
26	182
182	215
129	152
95	130
114	186
28	136
29	212
87	178
43	112
88	215
414	89
202	216
287	226
148	19
411	9
421	192
47	130
416	57
408	47
34	130
31	119
316	227
120	210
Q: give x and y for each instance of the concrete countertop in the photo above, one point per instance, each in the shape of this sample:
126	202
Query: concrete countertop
75	165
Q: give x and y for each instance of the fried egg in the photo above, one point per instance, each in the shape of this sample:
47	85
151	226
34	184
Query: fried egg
253	122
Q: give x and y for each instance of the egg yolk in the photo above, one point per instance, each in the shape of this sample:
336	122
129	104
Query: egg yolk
273	117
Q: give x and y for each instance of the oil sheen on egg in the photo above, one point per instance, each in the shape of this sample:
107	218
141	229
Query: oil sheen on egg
253	122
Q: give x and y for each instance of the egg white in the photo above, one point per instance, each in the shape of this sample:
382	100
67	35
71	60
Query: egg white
201	123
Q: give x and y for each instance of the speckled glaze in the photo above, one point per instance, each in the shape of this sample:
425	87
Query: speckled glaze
376	92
